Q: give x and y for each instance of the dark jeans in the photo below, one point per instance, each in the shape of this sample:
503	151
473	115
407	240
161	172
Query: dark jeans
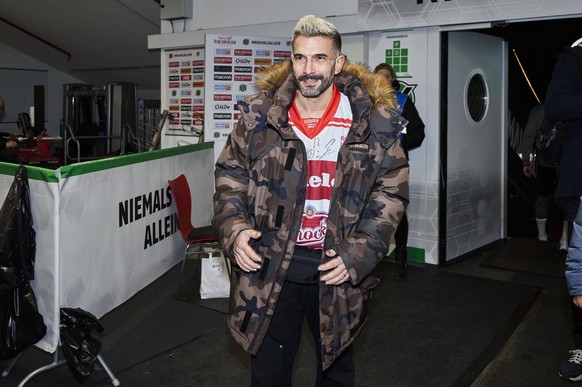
401	236
273	364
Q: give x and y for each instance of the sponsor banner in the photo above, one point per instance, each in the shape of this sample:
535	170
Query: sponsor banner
235	61
108	228
185	88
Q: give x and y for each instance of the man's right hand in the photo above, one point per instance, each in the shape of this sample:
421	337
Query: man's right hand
11	144
247	258
527	171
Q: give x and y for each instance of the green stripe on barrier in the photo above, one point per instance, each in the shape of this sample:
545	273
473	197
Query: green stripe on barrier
50	175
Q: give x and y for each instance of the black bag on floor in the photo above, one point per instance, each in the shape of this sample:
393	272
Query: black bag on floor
79	346
21	325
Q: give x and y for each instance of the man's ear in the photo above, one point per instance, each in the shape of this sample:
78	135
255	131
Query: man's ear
339	63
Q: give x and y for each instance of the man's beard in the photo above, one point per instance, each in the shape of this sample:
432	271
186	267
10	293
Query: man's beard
316	91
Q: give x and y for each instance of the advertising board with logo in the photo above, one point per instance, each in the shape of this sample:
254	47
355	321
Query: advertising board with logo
232	63
185	93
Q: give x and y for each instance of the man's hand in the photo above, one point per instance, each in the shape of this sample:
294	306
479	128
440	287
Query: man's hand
247	258
335	270
527	171
577	300
11	144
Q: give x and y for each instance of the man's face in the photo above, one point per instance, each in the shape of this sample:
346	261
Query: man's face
314	65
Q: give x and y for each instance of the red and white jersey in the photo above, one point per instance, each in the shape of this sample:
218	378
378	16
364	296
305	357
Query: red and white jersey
322	138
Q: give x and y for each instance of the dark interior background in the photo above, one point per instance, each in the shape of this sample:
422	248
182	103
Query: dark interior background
537	44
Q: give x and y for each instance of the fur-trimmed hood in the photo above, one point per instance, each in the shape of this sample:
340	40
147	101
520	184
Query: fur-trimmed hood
377	86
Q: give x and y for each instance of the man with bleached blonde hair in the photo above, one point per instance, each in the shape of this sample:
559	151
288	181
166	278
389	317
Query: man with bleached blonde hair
310	186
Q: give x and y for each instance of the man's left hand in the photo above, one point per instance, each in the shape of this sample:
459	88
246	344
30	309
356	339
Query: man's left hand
335	270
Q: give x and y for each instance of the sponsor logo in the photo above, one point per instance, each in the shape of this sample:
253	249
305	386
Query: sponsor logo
186	84
174	71
185	93
243	78
223	69
198	70
222	77
263	61
185	101
282	54
222	116
174	78
324	180
310	211
408	89
262	52
198	77
186	70
174	84
222	97
174	64
181	55
198	84
315	234
222	87
267	42
197	108
222	51
242	61
186	77
174	108
239	52
222	125
185	122
196	63
197	101
186	108
224	41
222	106
363	147
185	63
243	69
242	88
174	101
198	123
222	59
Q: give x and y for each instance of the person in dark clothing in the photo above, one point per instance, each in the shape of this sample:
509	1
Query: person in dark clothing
545	174
411	138
8	147
564	103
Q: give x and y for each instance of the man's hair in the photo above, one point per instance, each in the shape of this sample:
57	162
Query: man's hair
312	26
386	66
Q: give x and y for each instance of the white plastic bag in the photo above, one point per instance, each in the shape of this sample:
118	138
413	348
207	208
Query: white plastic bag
214	278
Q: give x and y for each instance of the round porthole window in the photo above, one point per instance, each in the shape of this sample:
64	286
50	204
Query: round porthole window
477	98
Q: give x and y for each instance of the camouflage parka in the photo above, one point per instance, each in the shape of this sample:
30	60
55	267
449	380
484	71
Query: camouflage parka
261	179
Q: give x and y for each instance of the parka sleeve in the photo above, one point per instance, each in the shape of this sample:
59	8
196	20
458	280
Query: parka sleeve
231	184
574	258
